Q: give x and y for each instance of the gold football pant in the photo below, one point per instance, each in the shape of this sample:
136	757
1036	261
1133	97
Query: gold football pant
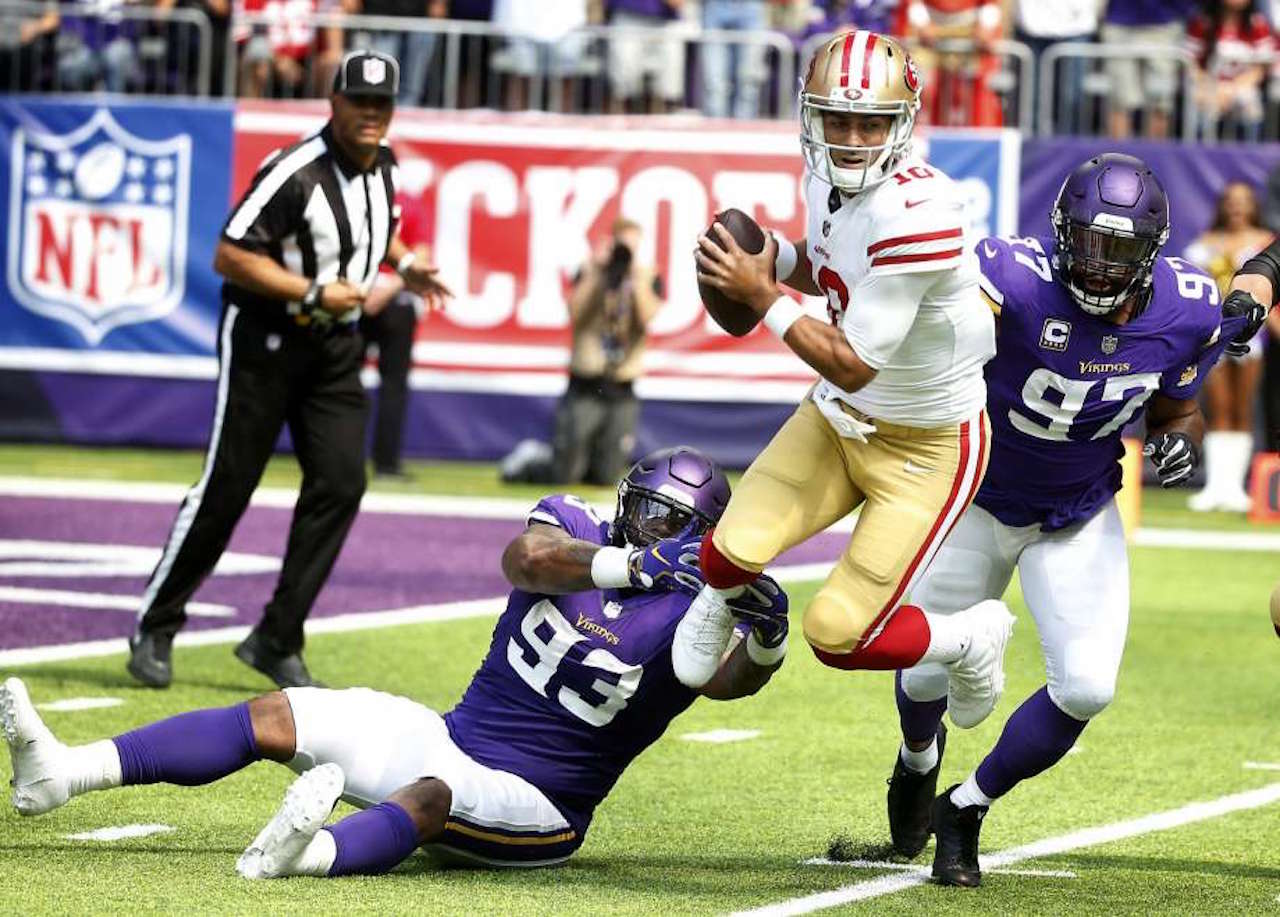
912	484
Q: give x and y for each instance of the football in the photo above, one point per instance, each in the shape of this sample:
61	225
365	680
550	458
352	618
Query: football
731	315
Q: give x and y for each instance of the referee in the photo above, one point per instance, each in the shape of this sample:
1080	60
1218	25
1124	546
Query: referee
298	254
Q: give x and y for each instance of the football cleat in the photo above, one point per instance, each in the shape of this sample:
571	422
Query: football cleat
975	681
701	638
910	802
955	858
307	803
40	782
150	659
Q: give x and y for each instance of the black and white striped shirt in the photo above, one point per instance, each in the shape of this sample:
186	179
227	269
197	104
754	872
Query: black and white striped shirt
316	213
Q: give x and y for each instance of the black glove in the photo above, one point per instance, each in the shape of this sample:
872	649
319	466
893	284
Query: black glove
1174	455
1239	303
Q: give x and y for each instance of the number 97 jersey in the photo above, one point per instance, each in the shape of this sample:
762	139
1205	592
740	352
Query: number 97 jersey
1064	384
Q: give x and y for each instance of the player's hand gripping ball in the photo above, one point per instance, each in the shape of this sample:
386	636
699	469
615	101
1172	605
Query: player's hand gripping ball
733	316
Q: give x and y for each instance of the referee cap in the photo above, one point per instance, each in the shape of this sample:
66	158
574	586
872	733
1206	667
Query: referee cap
367	73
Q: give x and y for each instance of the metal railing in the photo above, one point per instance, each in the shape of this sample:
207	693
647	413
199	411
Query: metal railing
1092	108
1011	81
471	61
128	49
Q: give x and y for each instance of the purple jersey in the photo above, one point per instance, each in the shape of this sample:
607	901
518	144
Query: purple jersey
574	686
1064	384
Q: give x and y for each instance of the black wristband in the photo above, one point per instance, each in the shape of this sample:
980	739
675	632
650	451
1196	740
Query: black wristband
1266	263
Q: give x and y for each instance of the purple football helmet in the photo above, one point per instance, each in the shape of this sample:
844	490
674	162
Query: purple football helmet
666	493
1109	223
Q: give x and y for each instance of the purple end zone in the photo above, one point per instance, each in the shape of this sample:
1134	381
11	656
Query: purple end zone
390	560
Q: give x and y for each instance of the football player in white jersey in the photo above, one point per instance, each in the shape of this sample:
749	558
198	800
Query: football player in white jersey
895	426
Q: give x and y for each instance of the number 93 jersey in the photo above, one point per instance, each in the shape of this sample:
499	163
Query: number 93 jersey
1064	383
573	686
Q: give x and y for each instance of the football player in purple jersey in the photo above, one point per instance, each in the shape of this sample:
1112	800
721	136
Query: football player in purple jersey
577	682
1094	328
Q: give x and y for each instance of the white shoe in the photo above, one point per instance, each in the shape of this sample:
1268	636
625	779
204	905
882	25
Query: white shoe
701	638
1203	501
307	803
40	781
976	680
1235	501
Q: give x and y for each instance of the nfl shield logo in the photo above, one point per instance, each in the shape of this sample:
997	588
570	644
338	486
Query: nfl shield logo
98	223
375	71
1109	342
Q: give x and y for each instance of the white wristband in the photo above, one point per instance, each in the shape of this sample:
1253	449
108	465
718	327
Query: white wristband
765	655
610	568
784	265
406	262
782	315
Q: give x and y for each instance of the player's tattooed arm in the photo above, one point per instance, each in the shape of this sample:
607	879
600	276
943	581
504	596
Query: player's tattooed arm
547	560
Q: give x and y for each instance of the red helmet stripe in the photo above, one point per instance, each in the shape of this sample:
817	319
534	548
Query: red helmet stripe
844	59
866	60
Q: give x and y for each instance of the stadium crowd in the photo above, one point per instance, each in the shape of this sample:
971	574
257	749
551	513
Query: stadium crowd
722	57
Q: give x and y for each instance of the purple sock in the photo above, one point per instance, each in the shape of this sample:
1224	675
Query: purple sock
1035	738
189	749
373	841
919	719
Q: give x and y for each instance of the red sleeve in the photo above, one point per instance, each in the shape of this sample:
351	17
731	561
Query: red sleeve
1260	35
1197	32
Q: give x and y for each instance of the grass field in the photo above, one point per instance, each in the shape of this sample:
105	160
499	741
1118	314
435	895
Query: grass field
704	828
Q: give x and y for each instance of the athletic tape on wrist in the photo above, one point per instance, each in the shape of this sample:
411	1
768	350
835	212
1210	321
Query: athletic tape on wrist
763	655
784	265
406	262
610	568
782	315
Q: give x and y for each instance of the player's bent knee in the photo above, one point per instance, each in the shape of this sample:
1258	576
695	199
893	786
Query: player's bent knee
1083	698
832	626
925	683
274	734
428	802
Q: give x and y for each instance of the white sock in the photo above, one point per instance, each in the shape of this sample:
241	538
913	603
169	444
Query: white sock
921	762
1217	444
317	859
949	638
95	766
1239	453
969	794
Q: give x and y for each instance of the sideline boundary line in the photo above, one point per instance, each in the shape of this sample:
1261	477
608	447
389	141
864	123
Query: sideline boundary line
1063	843
517	509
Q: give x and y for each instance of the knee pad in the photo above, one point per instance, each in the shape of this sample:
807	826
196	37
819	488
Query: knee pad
831	626
718	570
924	683
1083	696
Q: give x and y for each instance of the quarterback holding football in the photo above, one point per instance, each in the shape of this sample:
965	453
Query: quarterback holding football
895	426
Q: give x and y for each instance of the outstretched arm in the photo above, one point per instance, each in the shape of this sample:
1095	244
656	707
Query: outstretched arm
547	560
750	662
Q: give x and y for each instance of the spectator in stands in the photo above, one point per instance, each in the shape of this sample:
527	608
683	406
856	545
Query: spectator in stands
414	50
614	298
1231	41
97	51
219	13
26	42
732	73
658	54
958	36
1041	23
543	42
1230	391
1138	81
273	52
806	18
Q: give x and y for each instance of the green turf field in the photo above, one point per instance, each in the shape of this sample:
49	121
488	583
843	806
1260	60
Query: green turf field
700	828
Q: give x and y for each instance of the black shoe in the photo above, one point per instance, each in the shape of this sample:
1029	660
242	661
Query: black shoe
150	659
286	670
955	859
911	802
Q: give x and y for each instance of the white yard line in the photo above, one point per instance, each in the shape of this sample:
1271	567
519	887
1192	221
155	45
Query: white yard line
1260	766
102	600
912	867
74	704
720	736
367	620
507	508
1075	840
119	833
